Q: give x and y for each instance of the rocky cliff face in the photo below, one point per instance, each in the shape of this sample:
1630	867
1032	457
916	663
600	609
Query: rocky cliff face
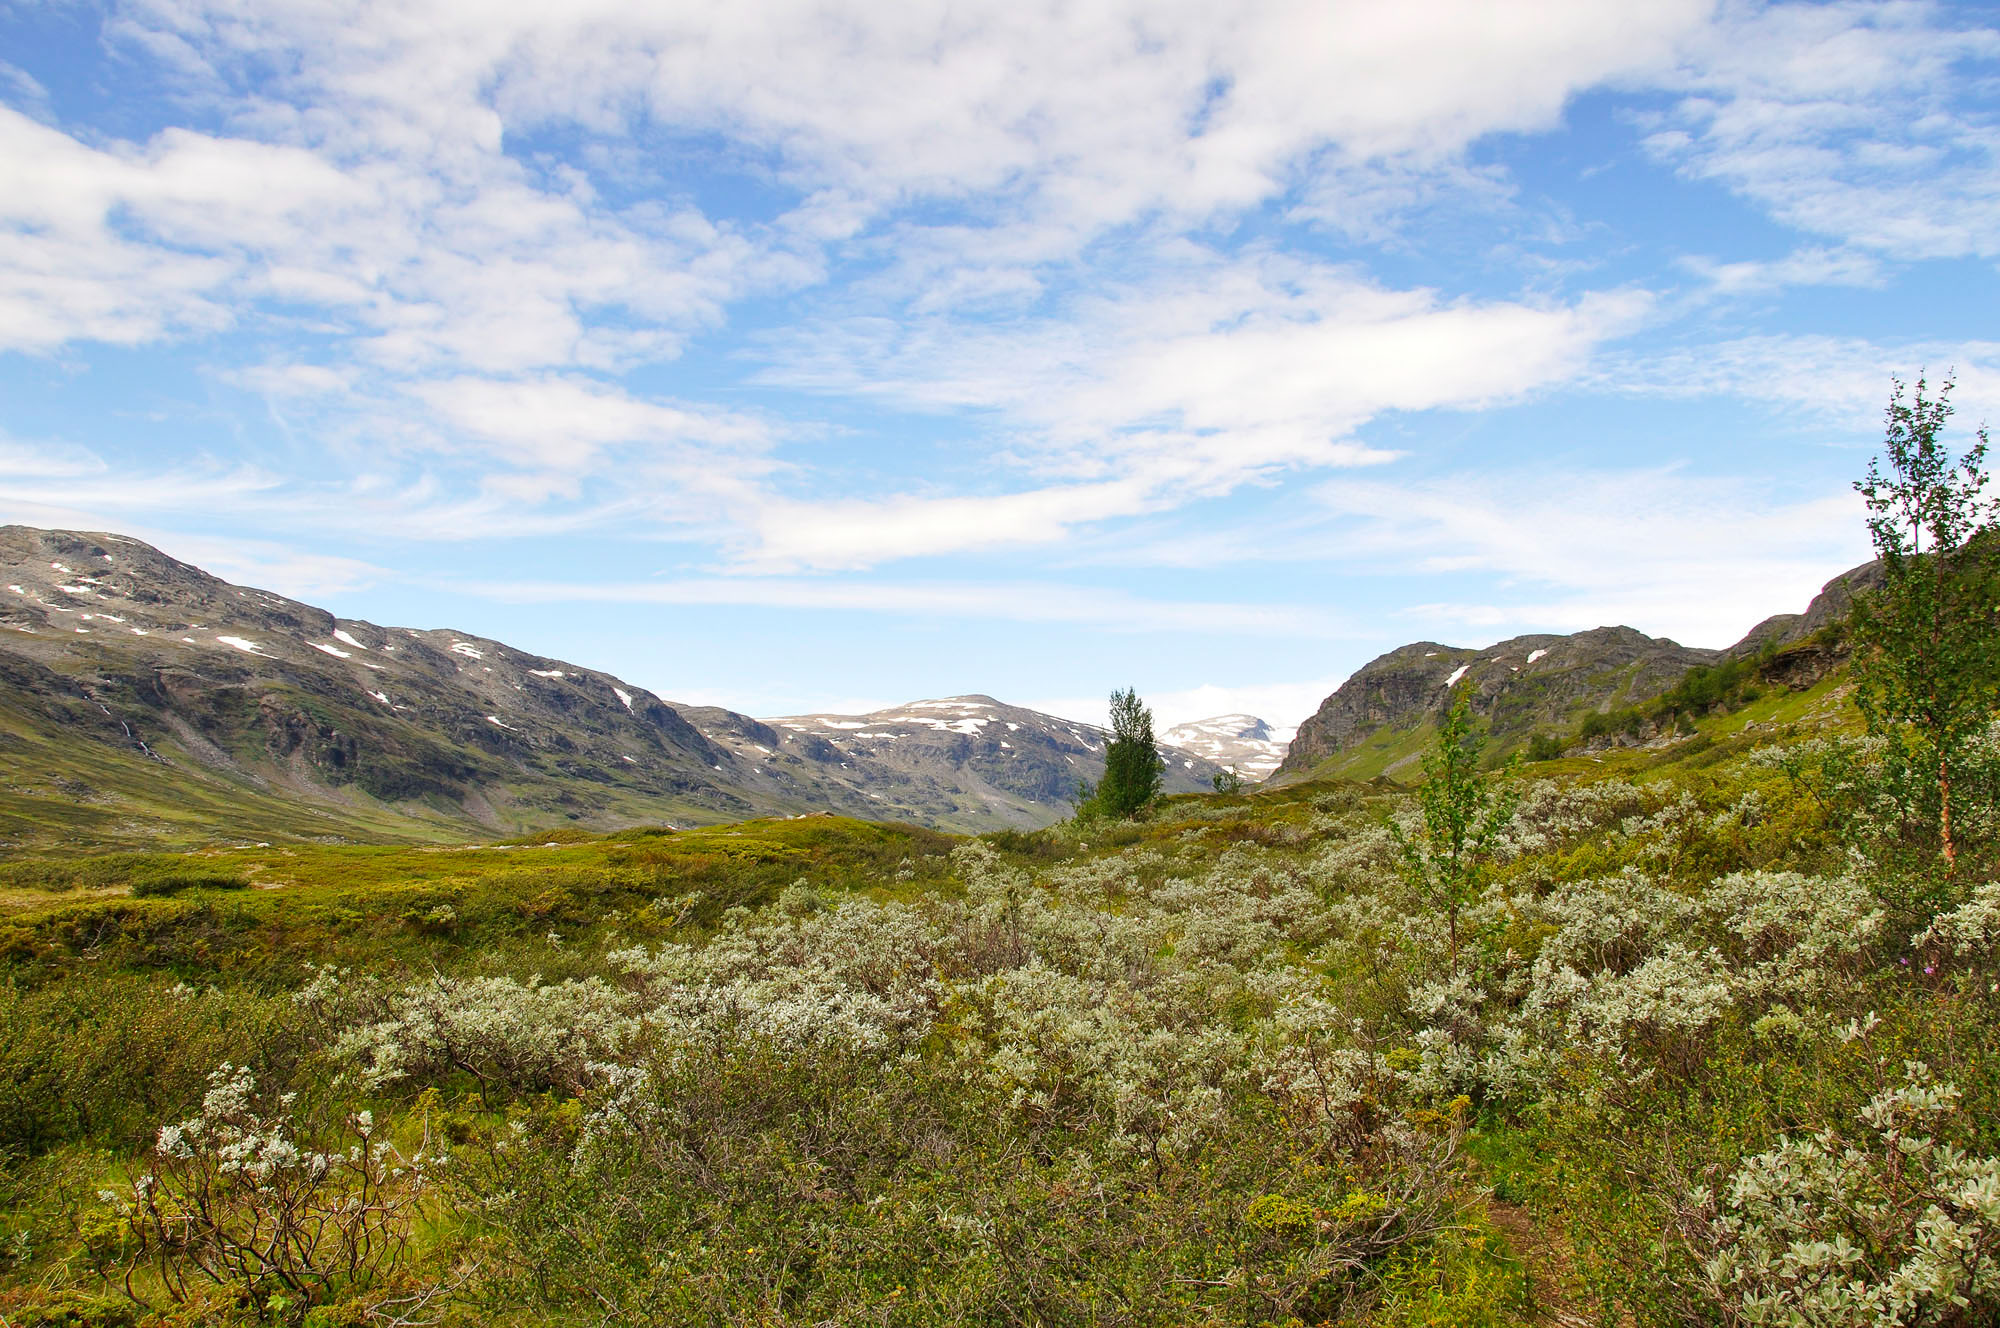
1375	722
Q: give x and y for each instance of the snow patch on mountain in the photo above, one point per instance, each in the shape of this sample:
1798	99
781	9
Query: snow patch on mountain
1245	743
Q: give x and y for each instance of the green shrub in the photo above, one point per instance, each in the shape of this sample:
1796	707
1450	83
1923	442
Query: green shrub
173	883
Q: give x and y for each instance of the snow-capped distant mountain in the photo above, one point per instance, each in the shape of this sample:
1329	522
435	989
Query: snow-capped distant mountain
1248	744
961	763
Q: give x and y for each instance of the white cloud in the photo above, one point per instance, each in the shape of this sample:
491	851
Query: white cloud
369	176
1843	382
290	381
1812	266
67	272
569	425
417	268
1081	116
55	485
1210	376
267	565
1701	560
53	478
790	535
1847	120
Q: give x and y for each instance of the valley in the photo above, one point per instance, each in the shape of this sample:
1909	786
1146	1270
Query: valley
499	986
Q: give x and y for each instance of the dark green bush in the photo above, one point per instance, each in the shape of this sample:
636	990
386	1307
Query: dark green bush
173	883
107	1058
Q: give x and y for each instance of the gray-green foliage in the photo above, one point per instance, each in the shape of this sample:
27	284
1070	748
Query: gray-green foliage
1890	1227
1211	1067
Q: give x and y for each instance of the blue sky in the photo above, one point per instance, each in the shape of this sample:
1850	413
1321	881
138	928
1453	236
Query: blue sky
817	355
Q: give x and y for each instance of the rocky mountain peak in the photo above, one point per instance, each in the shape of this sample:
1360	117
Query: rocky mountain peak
1536	683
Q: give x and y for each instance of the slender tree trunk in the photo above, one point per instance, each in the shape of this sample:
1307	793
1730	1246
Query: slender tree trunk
1944	818
1937	724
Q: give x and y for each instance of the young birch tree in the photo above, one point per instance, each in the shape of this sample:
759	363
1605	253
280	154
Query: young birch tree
1445	859
1928	664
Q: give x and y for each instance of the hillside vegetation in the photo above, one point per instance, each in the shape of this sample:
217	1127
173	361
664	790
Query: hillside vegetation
1547	695
1714	1041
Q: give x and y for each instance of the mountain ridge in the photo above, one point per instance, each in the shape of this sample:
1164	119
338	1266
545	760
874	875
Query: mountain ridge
308	724
1545	684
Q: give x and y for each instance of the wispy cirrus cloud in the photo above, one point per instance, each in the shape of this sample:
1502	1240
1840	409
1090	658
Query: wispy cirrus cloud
1847	120
1148	398
1818	380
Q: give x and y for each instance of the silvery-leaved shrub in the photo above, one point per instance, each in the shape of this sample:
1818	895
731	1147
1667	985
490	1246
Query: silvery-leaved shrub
1552	814
1654	1015
237	1200
1880	1225
508	1034
1970	931
1790	936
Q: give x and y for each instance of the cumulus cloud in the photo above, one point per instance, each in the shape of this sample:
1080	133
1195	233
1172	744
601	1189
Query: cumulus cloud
190	233
366	166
